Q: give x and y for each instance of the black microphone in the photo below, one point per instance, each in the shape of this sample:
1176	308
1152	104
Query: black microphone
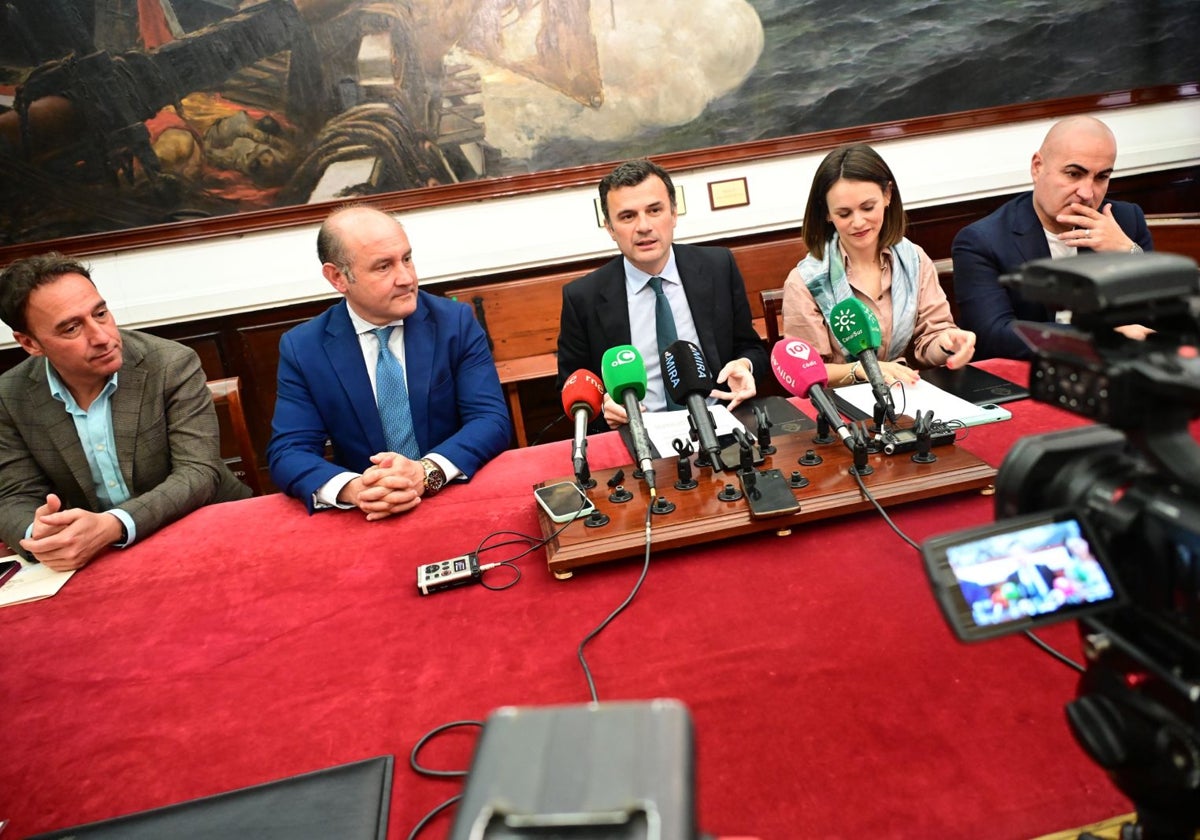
688	381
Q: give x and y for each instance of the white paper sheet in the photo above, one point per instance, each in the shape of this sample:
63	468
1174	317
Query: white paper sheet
925	396
664	426
33	583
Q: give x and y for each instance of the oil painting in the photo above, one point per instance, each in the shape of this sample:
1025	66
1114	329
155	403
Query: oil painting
118	114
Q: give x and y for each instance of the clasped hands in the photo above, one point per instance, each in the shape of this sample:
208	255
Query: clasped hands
735	376
64	540
392	484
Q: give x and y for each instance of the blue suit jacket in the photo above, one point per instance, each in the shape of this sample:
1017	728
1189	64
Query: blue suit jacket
324	393
1000	244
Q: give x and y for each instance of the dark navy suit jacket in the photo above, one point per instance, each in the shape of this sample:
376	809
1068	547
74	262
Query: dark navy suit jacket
595	314
324	393
1000	244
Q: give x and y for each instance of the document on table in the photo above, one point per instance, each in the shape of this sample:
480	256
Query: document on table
33	583
663	427
925	396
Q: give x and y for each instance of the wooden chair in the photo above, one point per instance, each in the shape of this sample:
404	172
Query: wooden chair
228	400
945	274
772	307
521	319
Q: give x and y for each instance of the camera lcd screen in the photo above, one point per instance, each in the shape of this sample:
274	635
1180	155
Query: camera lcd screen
1019	573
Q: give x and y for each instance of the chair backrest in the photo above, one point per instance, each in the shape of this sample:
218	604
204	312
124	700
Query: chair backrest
228	400
772	308
945	275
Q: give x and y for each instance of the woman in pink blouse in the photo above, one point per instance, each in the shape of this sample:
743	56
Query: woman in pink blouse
854	229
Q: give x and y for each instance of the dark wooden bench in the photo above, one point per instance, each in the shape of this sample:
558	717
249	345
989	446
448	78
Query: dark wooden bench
521	320
1176	233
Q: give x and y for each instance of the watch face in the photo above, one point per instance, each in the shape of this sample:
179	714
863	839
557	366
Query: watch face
435	479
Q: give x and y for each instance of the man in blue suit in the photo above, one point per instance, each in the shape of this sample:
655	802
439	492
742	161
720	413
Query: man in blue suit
332	368
1065	214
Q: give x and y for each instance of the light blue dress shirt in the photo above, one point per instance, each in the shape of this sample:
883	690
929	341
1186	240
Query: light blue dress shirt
642	326
95	429
326	495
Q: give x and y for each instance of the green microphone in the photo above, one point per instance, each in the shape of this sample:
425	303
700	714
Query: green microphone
857	328
624	375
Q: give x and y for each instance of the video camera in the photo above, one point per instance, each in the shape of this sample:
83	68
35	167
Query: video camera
1102	523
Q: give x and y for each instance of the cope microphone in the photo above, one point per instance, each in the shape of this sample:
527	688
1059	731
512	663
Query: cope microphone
688	381
800	370
857	328
582	396
624	376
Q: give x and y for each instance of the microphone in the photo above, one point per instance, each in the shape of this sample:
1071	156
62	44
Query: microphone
624	375
688	381
857	328
800	370
582	396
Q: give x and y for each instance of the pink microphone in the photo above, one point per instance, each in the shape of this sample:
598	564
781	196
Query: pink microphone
799	369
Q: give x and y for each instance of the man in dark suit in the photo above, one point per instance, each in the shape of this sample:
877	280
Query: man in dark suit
106	435
615	304
434	371
1064	214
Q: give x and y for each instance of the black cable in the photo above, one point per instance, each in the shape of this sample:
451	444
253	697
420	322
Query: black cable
516	577
536	439
420	826
532	543
424	739
882	512
587	672
1061	657
415	764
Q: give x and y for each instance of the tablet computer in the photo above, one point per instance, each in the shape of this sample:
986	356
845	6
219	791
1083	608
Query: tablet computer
975	385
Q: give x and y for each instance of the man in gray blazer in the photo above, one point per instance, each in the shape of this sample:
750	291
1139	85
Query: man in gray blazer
106	435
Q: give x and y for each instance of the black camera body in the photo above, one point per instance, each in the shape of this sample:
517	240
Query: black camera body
1135	483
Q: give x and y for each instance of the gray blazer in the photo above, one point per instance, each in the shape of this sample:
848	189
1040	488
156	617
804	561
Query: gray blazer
166	430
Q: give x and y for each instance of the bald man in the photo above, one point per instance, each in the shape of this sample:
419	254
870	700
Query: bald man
386	351
1063	215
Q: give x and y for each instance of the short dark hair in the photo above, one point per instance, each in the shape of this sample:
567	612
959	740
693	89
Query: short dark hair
18	281
630	174
854	163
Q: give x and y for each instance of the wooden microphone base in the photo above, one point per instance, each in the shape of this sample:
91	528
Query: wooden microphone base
700	515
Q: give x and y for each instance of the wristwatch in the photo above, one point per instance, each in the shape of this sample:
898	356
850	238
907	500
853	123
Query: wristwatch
435	477
1135	248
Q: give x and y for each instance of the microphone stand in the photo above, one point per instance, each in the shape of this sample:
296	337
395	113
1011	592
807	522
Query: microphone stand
583	473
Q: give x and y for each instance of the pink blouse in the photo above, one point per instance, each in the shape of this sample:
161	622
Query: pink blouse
802	317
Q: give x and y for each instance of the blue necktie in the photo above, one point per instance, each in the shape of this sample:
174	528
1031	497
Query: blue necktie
391	394
664	328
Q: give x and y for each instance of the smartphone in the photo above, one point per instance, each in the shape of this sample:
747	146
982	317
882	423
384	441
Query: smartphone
1019	573
563	501
8	568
